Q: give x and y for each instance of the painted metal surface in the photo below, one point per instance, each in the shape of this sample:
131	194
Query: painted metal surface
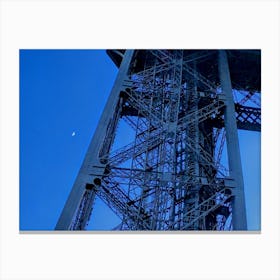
170	176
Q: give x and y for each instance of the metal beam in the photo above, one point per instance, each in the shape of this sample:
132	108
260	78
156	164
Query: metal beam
92	156
235	168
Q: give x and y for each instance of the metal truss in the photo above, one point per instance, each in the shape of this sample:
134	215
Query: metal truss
170	176
248	118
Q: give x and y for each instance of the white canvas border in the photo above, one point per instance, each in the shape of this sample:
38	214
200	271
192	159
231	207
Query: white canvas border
133	24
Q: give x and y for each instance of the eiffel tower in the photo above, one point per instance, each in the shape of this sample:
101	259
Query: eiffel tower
181	108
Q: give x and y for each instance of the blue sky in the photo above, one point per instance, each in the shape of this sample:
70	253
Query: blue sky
64	91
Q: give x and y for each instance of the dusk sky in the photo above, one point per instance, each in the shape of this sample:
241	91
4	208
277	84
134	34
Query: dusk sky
62	95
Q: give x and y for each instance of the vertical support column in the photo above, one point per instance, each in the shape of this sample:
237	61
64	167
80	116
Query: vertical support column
193	143
92	155
235	168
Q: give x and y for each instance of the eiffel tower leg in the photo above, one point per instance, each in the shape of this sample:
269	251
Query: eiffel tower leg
93	153
235	168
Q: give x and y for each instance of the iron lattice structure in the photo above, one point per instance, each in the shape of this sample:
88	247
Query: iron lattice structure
170	177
